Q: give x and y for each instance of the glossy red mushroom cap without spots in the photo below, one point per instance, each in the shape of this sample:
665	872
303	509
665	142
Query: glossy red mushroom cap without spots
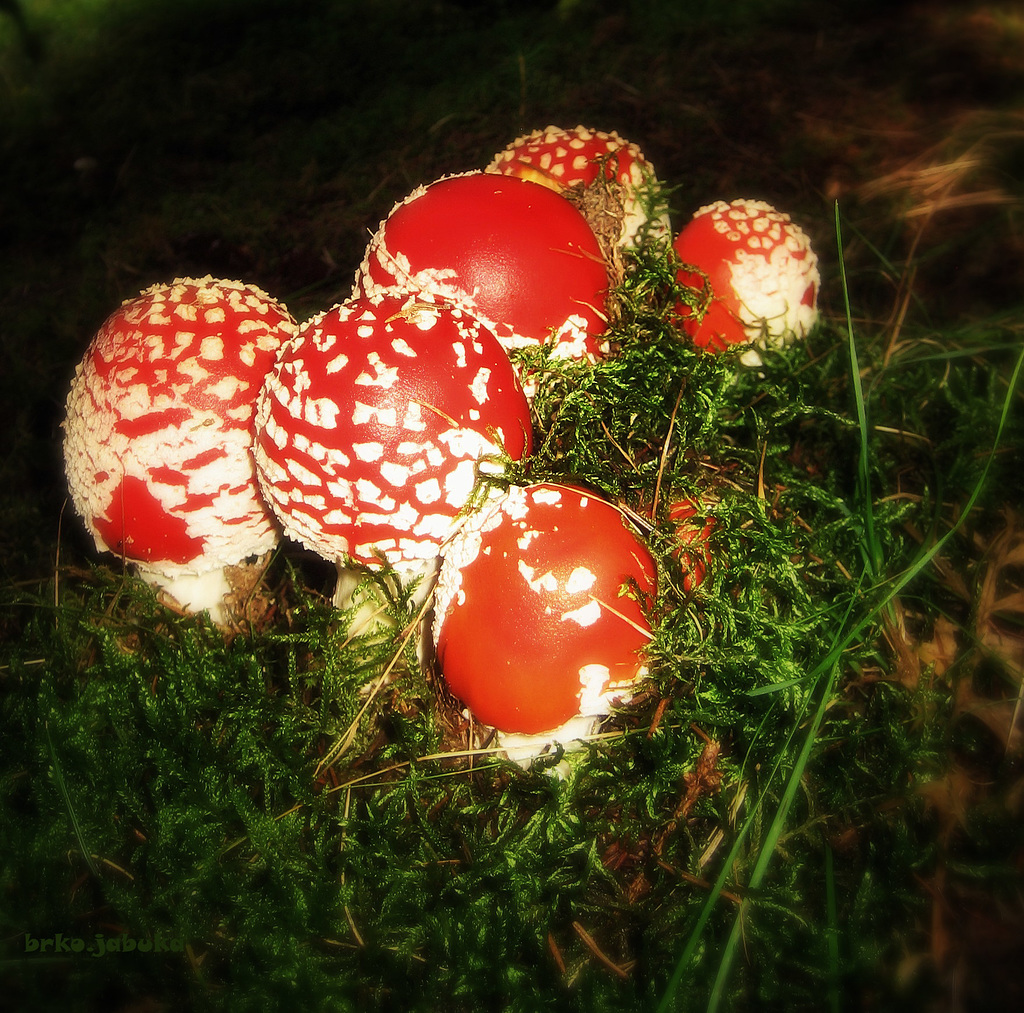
373	424
513	253
531	627
159	425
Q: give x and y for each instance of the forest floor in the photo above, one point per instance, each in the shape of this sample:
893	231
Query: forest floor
264	141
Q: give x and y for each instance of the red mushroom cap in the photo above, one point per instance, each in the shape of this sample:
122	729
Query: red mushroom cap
371	428
561	159
530	624
159	426
512	253
763	274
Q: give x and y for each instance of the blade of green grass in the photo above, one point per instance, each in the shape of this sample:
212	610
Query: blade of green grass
871	548
66	795
748	823
774	832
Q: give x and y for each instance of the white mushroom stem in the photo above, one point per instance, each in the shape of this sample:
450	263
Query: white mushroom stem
356	589
524	749
220	591
194	592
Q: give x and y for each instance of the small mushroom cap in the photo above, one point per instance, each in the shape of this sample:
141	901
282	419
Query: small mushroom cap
514	254
159	426
376	420
693	530
531	627
763	274
580	158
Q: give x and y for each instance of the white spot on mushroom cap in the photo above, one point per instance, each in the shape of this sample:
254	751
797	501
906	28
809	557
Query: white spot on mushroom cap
368	451
460	482
395	474
594	679
413	419
364	413
479	385
212	346
301	474
585	615
581	579
193	371
524	540
547	497
434	526
227	389
320	411
546	582
402	347
428	491
466	443
384	376
370	492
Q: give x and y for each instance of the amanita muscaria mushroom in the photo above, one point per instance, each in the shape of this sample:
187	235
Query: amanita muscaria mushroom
375	421
600	171
762	272
512	253
536	628
158	434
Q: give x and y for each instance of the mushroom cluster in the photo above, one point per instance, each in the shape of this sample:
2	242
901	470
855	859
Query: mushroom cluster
204	423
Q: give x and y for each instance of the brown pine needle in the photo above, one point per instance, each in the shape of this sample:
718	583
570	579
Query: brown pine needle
760	471
591	944
615	612
664	453
556	954
436	411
